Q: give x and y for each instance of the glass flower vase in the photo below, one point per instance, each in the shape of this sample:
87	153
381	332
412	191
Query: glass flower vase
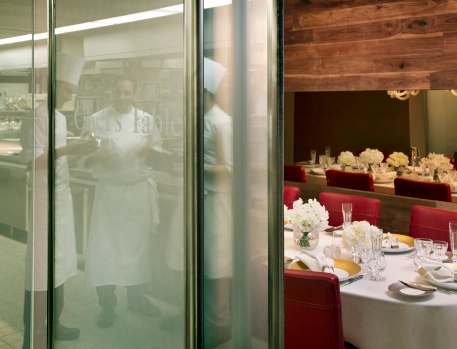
370	169
306	240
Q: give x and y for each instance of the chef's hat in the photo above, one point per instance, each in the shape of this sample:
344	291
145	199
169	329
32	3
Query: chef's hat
69	68
214	73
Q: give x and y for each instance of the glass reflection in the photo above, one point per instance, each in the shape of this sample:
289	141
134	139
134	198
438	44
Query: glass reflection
125	212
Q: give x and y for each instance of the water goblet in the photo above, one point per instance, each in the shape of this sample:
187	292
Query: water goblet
365	255
442	175
330	160
423	248
347	214
453	239
439	249
327	151
382	262
423	167
384	166
323	161
313	157
365	166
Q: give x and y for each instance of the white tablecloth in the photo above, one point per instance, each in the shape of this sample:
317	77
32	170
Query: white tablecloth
375	318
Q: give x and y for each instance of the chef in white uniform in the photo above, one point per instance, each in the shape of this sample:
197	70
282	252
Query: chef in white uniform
34	141
125	213
218	210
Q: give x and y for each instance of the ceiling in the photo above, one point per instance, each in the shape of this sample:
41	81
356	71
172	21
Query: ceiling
16	15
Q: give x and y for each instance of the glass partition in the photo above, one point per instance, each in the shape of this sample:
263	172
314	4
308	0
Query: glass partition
92	163
119	193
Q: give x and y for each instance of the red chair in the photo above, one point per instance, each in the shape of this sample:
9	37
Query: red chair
423	190
312	310
350	180
291	194
363	209
431	223
294	173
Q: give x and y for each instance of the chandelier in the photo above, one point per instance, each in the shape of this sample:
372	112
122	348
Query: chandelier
403	95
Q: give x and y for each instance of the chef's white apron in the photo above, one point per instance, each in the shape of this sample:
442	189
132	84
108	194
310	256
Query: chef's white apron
124	217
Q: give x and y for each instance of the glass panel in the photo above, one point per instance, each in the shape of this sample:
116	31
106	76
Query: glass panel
119	194
23	253
235	167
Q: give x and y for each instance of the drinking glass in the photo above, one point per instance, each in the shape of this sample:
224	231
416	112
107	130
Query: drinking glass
313	157
423	166
442	175
327	151
453	239
452	176
382	262
330	160
423	249
347	214
365	166
439	249
323	161
431	172
365	255
376	242
384	166
332	251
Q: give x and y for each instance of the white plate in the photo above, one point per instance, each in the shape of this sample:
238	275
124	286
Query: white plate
14	150
318	171
404	290
401	248
337	233
288	226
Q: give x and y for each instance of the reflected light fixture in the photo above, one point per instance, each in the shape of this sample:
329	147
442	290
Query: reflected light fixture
134	17
402	95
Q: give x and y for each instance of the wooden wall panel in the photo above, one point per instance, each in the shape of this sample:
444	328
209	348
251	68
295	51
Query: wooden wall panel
349	121
337	45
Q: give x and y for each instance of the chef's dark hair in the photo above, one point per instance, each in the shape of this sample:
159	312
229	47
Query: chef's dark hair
125	77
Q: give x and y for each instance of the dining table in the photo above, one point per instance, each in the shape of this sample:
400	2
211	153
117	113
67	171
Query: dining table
316	175
376	318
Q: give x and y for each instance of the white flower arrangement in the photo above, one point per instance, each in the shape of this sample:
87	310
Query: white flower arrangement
397	159
358	234
309	217
372	156
346	158
437	161
286	215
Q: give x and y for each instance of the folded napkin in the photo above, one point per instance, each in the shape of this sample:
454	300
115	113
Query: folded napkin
438	272
390	242
316	262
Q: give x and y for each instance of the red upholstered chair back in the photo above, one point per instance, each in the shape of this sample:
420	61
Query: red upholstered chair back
350	180
363	209
291	194
431	223
294	173
423	190
312	310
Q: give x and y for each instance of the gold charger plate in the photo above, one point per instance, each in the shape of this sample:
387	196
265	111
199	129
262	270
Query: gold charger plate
449	285
347	267
404	239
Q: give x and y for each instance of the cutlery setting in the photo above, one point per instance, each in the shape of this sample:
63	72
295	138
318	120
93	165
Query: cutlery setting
351	280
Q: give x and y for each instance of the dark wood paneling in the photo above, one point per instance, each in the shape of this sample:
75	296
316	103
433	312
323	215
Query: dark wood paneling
395	210
370	45
360	82
368	11
349	121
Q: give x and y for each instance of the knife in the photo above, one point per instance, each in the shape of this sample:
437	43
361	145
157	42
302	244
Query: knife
422	287
350	281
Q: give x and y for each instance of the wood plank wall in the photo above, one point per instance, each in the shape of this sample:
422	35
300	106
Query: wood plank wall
347	45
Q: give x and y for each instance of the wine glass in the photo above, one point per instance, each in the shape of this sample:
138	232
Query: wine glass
330	160
323	161
347	214
384	166
327	151
431	172
365	255
415	155
365	166
453	239
313	157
